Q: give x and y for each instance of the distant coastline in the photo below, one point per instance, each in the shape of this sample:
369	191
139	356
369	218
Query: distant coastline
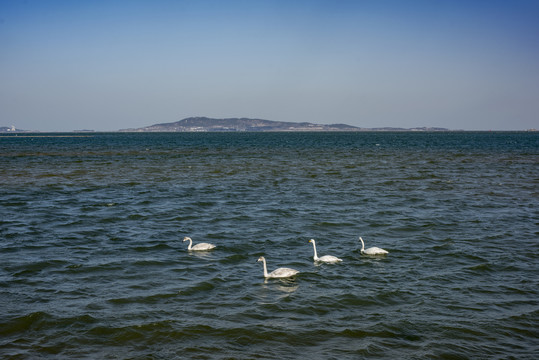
205	124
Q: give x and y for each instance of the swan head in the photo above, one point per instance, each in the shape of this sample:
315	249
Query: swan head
311	241
187	238
261	259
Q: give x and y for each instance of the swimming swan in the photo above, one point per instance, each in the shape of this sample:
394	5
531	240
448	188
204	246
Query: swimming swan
372	250
325	258
277	273
198	247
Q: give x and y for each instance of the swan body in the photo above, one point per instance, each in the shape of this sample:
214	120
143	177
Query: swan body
277	273
198	247
325	258
371	250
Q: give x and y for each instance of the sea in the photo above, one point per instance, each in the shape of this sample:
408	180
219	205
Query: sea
93	264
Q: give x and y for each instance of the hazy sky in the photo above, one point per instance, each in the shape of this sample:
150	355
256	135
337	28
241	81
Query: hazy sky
108	65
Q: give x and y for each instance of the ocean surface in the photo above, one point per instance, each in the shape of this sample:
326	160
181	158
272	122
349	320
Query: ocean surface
93	266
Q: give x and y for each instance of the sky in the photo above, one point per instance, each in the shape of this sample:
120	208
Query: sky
109	65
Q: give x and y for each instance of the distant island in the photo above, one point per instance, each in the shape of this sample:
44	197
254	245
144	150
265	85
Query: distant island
205	124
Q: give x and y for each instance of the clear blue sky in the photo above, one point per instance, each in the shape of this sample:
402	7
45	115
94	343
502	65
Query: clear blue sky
108	65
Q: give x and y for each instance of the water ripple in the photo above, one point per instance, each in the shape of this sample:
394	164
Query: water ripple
92	264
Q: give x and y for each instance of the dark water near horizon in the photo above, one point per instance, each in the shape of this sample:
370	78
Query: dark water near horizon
92	263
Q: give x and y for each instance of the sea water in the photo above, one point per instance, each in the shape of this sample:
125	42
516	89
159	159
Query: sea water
93	266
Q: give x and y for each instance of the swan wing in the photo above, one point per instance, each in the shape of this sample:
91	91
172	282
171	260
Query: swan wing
202	247
375	251
282	272
329	259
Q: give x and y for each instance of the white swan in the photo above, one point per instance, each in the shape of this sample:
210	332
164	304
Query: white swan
325	258
198	247
277	273
372	250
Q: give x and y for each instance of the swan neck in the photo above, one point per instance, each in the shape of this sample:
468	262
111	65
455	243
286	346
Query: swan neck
265	268
190	244
314	247
362	244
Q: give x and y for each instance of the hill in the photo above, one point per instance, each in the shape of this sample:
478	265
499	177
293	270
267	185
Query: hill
205	124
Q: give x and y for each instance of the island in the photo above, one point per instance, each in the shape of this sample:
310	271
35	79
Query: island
205	124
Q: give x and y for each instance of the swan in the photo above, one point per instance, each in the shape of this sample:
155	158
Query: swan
325	258
277	273
372	250
198	247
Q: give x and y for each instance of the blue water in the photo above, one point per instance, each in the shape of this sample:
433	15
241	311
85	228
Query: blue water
92	263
